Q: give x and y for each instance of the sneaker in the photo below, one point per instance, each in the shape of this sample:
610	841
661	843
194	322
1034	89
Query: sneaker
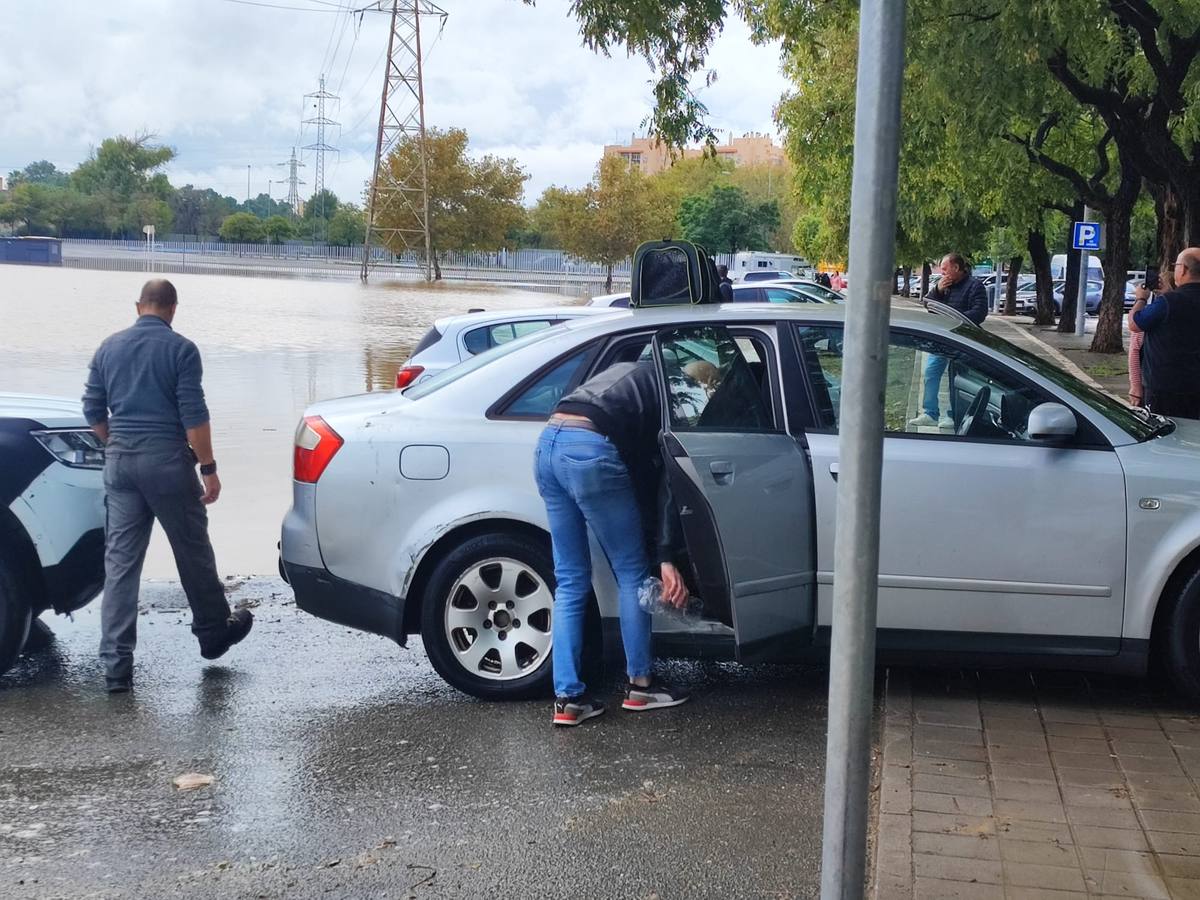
945	423
237	626
657	695
924	420
573	710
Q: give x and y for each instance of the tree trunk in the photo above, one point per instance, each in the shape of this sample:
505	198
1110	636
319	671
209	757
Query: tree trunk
906	274
1039	260
608	279
1108	337
1010	289
926	271
437	269
1066	315
1168	230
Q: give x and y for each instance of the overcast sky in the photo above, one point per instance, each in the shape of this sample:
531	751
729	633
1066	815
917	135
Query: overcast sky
223	81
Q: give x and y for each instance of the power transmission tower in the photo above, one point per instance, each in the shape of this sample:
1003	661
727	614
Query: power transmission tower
398	204
320	147
293	180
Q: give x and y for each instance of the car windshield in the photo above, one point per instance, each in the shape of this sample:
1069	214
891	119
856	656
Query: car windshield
449	376
1139	424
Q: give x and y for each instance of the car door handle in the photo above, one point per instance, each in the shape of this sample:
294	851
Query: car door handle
833	470
722	471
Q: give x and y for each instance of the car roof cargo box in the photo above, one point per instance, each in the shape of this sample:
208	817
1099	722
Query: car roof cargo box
670	273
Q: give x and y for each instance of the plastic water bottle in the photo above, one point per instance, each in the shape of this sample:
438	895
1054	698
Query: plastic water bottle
650	599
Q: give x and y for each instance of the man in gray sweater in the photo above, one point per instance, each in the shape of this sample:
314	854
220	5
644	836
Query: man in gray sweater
144	399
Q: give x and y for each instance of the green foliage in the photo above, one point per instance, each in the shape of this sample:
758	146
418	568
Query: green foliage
40	172
278	229
243	228
321	205
348	227
199	212
725	220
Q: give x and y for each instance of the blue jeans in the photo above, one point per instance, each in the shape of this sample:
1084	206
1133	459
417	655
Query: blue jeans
935	368
584	482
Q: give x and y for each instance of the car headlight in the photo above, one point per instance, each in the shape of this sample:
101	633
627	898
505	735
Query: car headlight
76	447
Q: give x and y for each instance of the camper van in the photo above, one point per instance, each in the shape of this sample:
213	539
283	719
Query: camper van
748	261
1058	267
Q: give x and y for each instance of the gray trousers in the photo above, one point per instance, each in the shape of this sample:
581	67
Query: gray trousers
154	482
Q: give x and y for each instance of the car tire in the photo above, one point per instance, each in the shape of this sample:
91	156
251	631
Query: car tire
15	613
1180	638
518	571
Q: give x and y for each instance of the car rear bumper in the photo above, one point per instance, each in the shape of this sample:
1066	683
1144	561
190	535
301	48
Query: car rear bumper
324	595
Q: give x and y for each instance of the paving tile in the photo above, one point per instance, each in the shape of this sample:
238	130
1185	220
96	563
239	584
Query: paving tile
1018	772
1030	811
1024	830
957	868
1143	748
1041	853
1174	801
1184	888
1099	859
959	768
1146	885
1033	893
1025	756
1022	726
1028	791
1186	739
949	750
1054	878
1074	795
1071	744
1071	729
955	735
1180	866
951	803
1074	715
1174	842
1148	781
1124	719
1091	777
948	823
945	784
1153	765
893	887
1161	820
1009	711
1111	838
936	889
983	847
964	716
894	833
1143	735
1102	817
1084	760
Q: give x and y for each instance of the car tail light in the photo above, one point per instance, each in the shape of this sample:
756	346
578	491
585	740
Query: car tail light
316	443
408	375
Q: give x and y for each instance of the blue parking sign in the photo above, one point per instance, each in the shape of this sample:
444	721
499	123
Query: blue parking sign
1086	236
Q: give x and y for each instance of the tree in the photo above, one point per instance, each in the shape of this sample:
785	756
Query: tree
278	229
322	205
40	172
605	221
473	203
726	220
242	228
199	212
348	227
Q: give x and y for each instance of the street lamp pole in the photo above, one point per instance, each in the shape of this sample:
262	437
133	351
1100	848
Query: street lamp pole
860	449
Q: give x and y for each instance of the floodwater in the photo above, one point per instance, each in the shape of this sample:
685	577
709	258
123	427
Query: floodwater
270	347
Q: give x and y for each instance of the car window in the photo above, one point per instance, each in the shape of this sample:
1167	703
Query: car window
477	340
452	374
539	398
749	295
783	295
710	384
934	388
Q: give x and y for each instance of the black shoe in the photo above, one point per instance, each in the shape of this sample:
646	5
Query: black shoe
119	685
656	695
573	710
237	626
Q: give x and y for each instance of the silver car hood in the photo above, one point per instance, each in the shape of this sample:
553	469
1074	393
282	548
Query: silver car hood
1171	456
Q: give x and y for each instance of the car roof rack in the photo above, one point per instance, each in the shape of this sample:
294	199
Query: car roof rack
941	309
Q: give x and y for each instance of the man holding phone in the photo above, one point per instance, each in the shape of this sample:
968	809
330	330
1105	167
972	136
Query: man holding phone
1170	354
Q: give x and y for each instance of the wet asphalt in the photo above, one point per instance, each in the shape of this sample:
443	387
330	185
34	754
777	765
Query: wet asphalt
344	767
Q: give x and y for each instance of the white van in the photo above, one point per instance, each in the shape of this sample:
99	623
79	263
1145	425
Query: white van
1058	267
749	261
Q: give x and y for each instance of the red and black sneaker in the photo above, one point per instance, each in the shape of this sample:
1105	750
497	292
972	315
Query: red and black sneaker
656	695
573	710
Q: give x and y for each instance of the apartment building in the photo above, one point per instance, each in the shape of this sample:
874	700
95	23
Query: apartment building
650	156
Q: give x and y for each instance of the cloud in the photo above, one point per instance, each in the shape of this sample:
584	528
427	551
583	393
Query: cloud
223	83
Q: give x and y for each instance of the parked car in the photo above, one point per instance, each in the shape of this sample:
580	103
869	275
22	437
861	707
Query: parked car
792	291
452	339
765	275
51	514
813	288
457	532
1091	305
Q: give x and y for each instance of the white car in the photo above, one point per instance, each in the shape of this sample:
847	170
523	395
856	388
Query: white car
452	339
51	514
792	290
417	513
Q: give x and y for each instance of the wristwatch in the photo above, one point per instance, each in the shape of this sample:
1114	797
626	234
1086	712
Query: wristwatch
209	468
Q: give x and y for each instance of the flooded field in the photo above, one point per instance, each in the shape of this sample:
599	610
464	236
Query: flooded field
270	347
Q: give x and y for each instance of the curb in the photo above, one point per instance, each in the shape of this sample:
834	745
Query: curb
892	876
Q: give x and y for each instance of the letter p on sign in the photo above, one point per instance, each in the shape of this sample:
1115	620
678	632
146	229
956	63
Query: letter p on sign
1086	236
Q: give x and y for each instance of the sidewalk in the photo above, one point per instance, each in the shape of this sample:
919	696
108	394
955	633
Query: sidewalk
1036	785
1108	371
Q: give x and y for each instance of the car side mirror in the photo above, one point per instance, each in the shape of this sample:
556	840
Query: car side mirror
1051	423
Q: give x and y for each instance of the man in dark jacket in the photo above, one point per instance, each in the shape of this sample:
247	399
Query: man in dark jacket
958	290
598	465
724	284
144	400
1171	352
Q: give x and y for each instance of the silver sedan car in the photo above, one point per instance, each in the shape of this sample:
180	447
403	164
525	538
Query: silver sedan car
1040	522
